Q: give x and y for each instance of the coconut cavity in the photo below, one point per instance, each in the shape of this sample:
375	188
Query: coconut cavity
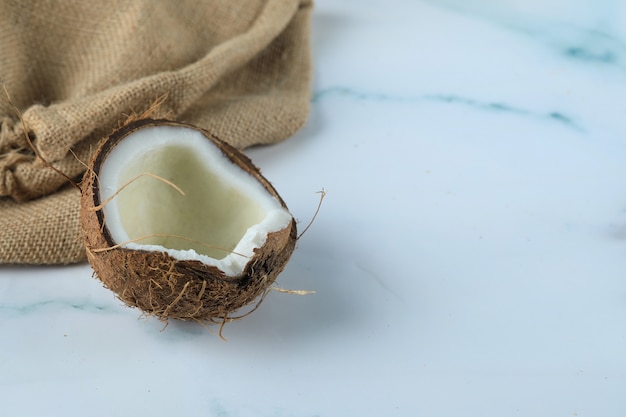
180	224
223	215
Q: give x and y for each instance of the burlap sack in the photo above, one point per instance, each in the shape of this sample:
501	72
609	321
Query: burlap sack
74	69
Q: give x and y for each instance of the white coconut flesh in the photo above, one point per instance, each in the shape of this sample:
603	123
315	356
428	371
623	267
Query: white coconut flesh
224	215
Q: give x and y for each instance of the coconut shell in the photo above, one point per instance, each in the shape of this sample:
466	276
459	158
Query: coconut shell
161	285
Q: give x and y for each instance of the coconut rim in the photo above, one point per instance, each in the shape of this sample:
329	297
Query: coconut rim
233	155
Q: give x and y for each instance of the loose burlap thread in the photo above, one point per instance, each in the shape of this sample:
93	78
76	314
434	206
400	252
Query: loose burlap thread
75	69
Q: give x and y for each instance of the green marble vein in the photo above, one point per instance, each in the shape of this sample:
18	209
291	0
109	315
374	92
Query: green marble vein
492	106
40	306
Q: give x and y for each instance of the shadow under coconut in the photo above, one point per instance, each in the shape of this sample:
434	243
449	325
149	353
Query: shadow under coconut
286	316
350	297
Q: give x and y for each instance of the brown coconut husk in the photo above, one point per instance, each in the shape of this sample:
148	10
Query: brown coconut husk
163	286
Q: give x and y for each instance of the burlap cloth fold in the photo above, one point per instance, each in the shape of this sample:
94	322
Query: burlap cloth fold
74	70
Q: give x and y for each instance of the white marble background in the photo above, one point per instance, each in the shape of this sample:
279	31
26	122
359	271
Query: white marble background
469	260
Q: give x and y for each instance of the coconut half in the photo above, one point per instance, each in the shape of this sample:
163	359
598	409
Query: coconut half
180	224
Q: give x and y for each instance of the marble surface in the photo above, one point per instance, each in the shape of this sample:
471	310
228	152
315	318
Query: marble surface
469	259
